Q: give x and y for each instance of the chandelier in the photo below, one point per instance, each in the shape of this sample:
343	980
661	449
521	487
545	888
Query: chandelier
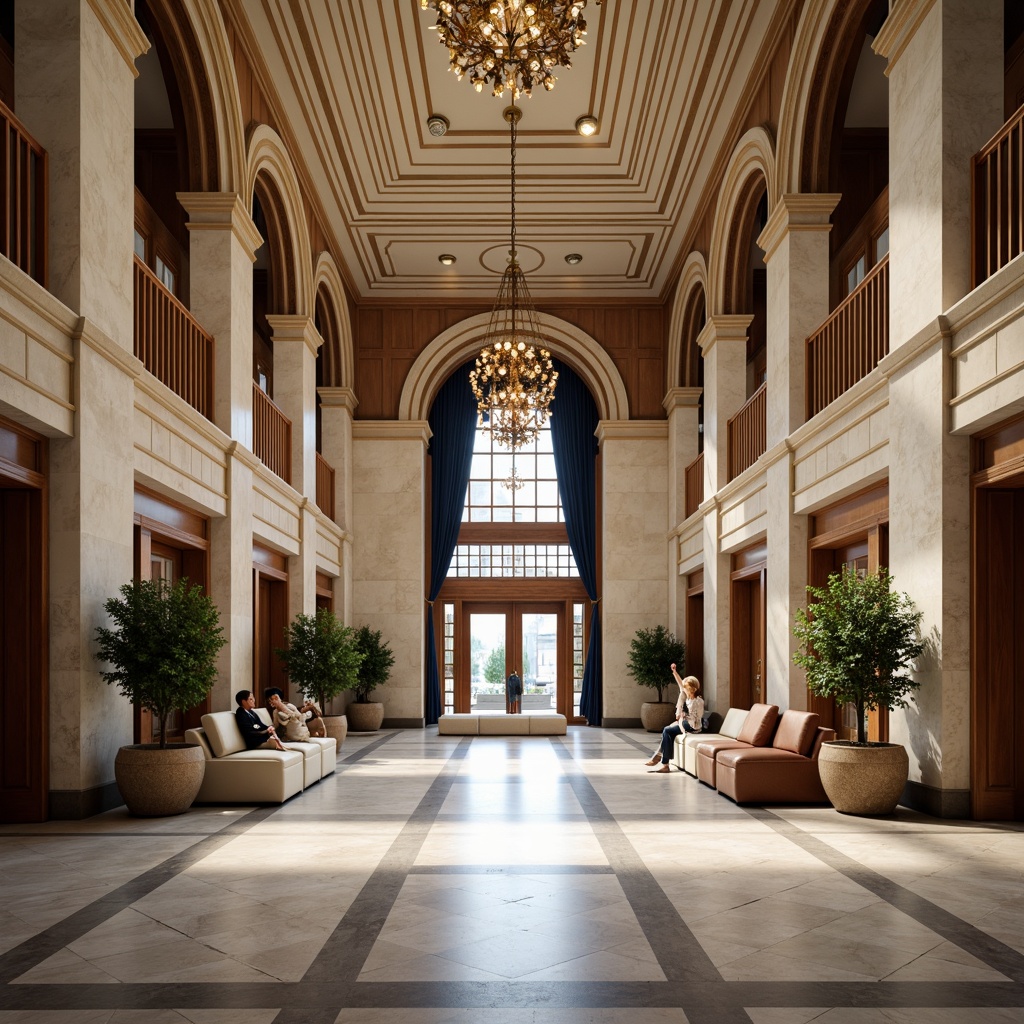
514	379
512	44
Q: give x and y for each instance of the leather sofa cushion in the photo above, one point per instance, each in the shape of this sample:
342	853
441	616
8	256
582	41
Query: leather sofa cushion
759	725
796	731
733	722
222	733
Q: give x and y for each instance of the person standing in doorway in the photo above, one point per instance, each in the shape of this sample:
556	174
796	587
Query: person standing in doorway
514	692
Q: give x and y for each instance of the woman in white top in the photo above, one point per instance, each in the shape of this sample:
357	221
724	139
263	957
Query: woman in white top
689	712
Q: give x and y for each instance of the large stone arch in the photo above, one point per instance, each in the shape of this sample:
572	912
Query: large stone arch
817	79
692	280
337	351
751	167
451	348
271	175
197	45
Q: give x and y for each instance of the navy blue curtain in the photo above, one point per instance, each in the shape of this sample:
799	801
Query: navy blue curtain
573	422
453	430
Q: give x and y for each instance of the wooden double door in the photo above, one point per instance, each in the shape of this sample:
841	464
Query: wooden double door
496	638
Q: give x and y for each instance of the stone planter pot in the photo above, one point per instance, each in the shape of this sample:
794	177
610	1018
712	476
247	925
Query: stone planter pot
336	726
655	714
863	779
156	783
365	717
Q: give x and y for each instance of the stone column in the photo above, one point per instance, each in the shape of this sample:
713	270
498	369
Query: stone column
336	408
222	247
75	79
388	541
795	241
634	582
681	404
724	344
945	101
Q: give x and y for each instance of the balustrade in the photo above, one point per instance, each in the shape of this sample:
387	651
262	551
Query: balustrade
849	344
271	434
170	342
325	486
23	213
997	200
693	485
747	433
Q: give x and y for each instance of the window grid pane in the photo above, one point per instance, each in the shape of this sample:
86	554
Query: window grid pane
448	696
497	561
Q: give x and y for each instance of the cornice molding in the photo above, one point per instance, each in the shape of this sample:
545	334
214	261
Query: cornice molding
934	335
392	430
124	31
102	344
337	398
724	327
217	211
681	398
797	211
295	327
899	29
631	430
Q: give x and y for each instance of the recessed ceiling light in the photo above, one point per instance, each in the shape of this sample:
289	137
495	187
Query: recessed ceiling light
446	258
437	125
573	258
587	125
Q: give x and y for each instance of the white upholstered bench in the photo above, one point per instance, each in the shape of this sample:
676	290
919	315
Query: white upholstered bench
501	725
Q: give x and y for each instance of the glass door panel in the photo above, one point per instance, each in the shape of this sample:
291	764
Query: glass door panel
538	660
488	644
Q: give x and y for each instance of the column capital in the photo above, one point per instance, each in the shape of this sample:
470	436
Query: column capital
392	430
797	211
631	430
220	211
724	327
337	398
124	31
898	29
298	327
682	398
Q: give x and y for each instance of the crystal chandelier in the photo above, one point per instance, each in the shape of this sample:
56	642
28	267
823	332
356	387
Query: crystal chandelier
514	379
512	44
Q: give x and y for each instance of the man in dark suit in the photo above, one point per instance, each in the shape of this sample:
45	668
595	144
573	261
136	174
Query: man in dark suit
514	692
254	732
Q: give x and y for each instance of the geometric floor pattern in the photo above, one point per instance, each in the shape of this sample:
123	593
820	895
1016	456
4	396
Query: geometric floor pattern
511	880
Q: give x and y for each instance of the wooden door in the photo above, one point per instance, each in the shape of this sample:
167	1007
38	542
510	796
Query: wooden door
747	641
270	618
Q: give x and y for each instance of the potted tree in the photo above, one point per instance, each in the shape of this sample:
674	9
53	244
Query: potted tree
365	715
322	661
858	639
651	652
162	650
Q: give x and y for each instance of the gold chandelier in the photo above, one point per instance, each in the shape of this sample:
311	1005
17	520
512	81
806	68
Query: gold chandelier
513	44
514	379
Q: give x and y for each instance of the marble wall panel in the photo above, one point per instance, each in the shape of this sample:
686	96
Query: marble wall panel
275	518
329	548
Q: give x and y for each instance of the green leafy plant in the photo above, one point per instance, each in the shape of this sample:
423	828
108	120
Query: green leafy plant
651	653
377	660
163	647
322	657
494	668
858	639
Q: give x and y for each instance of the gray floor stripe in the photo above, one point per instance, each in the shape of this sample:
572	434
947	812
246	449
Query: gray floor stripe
680	956
989	950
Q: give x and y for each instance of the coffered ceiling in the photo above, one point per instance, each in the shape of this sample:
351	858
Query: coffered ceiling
356	81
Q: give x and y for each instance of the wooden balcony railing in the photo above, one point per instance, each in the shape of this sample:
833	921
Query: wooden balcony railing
997	200
23	214
325	486
271	435
748	437
693	485
849	344
170	342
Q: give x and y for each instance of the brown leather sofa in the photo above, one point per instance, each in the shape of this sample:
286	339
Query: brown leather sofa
785	772
757	731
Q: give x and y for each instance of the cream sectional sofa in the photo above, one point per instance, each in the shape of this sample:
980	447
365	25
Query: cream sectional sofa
237	775
684	756
463	724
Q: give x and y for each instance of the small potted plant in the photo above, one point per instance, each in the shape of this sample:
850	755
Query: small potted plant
365	715
163	657
651	653
322	661
857	641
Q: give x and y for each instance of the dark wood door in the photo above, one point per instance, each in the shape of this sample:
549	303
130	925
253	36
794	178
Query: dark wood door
270	617
24	751
997	699
748	683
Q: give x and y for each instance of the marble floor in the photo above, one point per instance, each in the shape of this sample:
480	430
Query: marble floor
511	880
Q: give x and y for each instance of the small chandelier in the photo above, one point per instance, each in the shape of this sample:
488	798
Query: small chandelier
513	482
514	379
512	44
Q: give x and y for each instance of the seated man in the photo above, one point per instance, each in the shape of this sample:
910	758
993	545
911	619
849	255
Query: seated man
254	732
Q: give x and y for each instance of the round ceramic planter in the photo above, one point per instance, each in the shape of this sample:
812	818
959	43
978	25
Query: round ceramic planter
154	782
655	715
365	717
336	726
863	779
